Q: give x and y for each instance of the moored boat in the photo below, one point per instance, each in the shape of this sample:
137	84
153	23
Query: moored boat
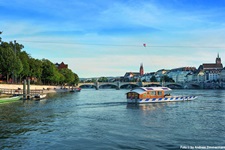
153	95
75	90
40	96
9	99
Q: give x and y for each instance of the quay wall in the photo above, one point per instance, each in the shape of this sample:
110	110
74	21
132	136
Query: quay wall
32	87
44	88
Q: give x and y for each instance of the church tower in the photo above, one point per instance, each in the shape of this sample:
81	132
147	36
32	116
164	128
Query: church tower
141	70
218	60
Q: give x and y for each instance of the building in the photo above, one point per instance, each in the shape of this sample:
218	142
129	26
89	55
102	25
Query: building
131	76
141	70
160	73
191	76
200	76
147	77
222	75
134	76
182	74
61	66
192	69
211	70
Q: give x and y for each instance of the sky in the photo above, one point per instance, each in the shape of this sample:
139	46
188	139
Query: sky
105	37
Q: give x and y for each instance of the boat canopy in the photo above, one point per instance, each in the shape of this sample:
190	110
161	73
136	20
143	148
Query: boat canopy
141	90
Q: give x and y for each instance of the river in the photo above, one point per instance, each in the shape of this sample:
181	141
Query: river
101	119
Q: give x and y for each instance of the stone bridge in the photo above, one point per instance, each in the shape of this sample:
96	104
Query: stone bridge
119	85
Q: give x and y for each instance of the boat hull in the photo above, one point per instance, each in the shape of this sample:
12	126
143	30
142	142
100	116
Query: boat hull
161	100
75	90
10	99
39	96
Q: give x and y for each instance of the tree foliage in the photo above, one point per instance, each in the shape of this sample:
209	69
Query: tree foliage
76	79
166	78
14	62
49	73
153	79
102	79
35	68
24	57
10	64
68	75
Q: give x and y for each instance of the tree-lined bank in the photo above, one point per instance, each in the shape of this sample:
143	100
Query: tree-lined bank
16	65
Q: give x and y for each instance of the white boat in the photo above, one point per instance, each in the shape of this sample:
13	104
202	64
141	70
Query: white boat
75	90
40	96
154	95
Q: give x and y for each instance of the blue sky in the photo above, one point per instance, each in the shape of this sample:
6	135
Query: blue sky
105	38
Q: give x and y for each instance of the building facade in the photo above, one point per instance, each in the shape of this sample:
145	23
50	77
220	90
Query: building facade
211	70
182	74
61	66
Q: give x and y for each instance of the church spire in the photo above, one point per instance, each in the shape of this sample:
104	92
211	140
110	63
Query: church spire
141	70
218	59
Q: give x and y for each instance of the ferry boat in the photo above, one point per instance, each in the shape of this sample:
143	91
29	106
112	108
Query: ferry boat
154	95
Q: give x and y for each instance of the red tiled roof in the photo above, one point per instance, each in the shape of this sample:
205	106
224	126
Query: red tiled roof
212	66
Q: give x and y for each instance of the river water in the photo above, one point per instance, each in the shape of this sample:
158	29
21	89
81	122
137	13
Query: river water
101	119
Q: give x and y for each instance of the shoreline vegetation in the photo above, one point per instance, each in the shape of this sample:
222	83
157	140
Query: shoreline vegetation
16	65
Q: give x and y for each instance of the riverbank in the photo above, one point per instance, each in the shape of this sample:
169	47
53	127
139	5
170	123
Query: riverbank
45	88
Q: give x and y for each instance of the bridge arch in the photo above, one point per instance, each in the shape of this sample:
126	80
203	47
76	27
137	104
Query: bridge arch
174	85
152	84
194	86
107	85
128	86
86	85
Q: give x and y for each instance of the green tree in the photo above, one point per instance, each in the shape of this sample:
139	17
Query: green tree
18	47
9	62
153	79
56	79
24	58
20	64
68	75
50	73
93	80
166	78
36	68
0	37
102	79
76	78
18	67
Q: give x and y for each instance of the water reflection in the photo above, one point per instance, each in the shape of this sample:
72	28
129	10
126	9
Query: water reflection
12	121
94	120
147	107
22	118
